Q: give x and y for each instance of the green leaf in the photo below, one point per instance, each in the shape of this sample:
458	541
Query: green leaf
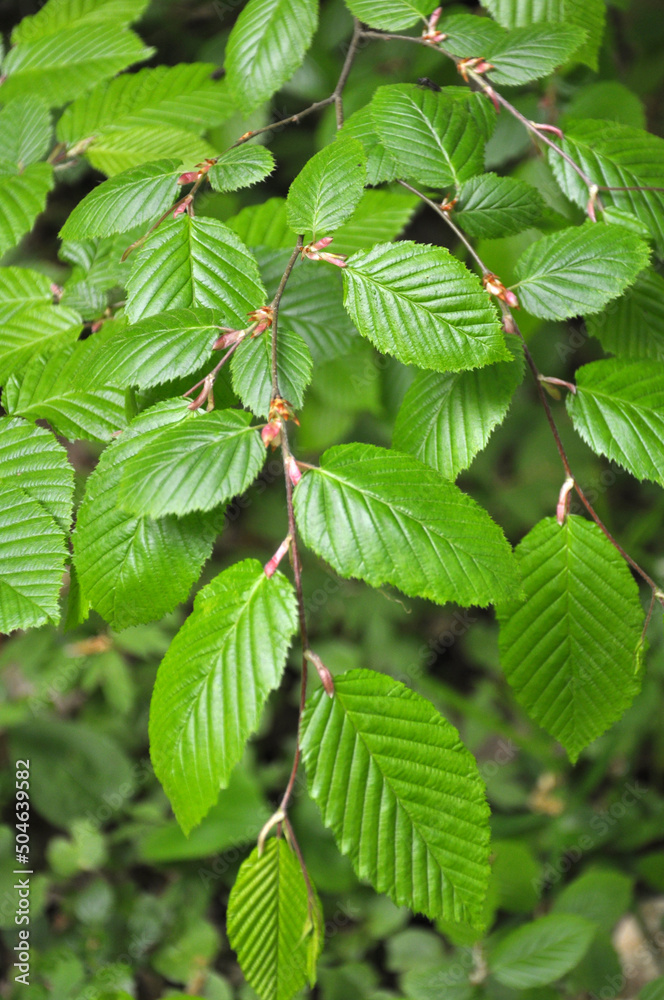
33	560
432	136
654	990
380	165
130	199
528	54
589	15
541	952
386	518
490	206
196	464
46	390
133	569
153	351
58	14
578	270
263	225
608	100
190	262
214	681
447	418
122	149
572	674
422	305
310	297
380	216
252	370
31	329
32	461
601	896
633	327
401	794
19	286
61	66
615	155
278	953
468	35
618	409
390	15
241	167
266	45
327	190
25	126
22	198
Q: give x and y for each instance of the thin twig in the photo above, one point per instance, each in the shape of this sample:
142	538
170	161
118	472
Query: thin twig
345	72
276	301
452	225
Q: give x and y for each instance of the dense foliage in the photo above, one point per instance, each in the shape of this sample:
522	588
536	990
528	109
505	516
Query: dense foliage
228	410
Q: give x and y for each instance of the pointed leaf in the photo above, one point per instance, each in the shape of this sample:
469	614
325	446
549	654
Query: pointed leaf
576	271
127	200
633	327
134	569
391	15
214	681
22	198
527	54
422	305
252	370
491	206
386	518
401	794
153	351
469	36
46	390
25	126
446	419
266	46
570	673
32	329
194	262
241	167
432	136
196	464
541	952
31	460
618	409
278	952
327	190
615	155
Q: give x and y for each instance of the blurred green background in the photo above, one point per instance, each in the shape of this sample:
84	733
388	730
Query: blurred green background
122	903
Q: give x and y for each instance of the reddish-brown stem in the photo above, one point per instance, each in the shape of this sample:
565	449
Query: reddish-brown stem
337	94
276	301
215	371
445	216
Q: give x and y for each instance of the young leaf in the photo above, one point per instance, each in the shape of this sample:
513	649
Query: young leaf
32	329
133	569
618	409
31	460
527	54
491	206
379	217
194	262
22	198
214	681
445	419
153	351
278	952
46	390
62	65
541	952
328	188
390	15
196	464
25	126
576	271
33	561
380	165
401	794
633	327
616	156
569	649
422	305
386	518
266	45
127	200
241	167
252	370
432	136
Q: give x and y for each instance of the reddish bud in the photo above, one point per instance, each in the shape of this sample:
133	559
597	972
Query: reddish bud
315	251
562	508
548	128
228	338
271	566
490	92
323	672
270	434
183	205
477	65
292	470
430	33
263	318
590	207
188	177
56	291
447	206
494	286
